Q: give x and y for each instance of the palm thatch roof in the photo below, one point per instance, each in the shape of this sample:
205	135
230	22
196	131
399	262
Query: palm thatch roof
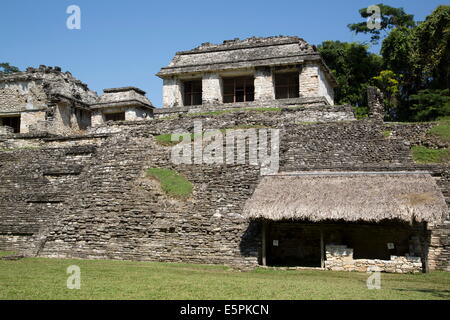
349	196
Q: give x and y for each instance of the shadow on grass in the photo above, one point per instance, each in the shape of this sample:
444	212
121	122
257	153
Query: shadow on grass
436	293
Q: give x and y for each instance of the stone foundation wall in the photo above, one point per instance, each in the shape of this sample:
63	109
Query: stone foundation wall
89	197
340	258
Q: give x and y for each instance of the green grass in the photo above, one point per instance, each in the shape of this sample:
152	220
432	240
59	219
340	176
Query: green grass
165	139
172	182
442	131
6	253
40	278
425	155
387	133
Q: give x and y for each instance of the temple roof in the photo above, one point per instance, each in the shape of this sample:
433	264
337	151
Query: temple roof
235	54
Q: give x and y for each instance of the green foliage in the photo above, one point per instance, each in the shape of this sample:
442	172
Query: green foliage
6	68
430	104
387	82
390	18
172	182
425	155
415	63
353	66
431	54
40	278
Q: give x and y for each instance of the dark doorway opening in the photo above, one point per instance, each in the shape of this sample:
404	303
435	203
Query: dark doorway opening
303	244
13	122
192	93
239	89
117	116
291	244
287	85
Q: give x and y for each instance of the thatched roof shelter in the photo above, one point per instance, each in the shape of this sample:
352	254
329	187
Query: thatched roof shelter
350	196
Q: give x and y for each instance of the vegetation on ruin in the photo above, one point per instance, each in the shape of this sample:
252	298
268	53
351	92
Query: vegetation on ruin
172	182
442	130
6	68
387	133
40	278
165	139
412	69
423	154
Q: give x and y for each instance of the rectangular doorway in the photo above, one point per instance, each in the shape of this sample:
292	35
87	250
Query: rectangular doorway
12	122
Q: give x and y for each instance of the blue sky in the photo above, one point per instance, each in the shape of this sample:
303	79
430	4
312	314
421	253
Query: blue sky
124	43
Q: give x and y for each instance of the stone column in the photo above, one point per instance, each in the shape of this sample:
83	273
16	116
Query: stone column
97	118
172	93
375	102
309	80
264	86
212	92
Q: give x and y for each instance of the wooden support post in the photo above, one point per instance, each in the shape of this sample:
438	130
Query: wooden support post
264	244
322	252
425	239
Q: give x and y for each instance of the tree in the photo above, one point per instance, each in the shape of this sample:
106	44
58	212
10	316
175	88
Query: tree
353	66
387	82
431	54
390	18
431	104
6	68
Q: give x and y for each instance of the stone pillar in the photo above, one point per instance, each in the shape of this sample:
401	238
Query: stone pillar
309	80
264	86
97	118
375	103
172	93
212	88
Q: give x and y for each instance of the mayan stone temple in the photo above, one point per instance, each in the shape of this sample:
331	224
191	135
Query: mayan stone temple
76	168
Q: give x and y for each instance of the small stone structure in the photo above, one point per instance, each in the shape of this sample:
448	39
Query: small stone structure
340	258
253	70
128	104
47	100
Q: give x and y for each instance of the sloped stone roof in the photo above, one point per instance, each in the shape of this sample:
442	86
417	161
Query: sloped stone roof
123	96
232	54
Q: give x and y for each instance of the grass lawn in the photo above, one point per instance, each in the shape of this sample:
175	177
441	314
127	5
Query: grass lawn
40	278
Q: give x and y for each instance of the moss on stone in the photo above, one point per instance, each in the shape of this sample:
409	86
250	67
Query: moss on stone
172	183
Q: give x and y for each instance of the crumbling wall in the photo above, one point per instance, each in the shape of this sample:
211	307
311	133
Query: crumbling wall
23	95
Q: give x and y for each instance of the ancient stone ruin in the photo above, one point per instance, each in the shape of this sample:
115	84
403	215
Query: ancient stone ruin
75	183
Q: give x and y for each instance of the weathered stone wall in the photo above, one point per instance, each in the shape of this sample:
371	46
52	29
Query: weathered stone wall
212	88
172	93
340	258
45	98
325	88
264	84
94	201
21	96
